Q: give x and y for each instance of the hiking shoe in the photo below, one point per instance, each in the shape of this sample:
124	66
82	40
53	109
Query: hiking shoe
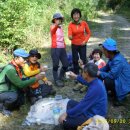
59	83
6	113
83	89
77	87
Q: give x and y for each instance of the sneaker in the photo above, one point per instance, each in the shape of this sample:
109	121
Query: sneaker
83	89
6	113
77	87
59	83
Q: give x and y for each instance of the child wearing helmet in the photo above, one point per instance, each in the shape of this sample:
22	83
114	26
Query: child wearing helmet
58	51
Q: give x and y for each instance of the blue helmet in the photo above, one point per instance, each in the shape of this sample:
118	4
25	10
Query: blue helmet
21	53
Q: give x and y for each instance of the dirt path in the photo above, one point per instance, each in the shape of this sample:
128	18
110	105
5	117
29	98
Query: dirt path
114	26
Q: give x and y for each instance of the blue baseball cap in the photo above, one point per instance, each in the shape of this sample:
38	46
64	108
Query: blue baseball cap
110	44
21	53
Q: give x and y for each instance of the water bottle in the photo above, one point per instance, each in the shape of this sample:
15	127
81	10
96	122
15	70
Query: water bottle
56	114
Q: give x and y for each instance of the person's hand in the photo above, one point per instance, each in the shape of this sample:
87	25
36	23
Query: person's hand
81	65
62	118
39	76
70	37
98	73
72	75
48	82
43	69
83	43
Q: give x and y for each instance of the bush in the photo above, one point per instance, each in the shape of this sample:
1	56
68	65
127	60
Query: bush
26	23
13	22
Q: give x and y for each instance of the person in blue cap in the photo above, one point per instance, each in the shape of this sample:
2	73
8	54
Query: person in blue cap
116	73
11	83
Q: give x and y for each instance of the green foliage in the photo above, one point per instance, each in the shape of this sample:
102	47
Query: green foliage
87	7
113	4
26	23
13	22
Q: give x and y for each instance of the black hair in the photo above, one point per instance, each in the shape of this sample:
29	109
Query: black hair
91	69
97	51
75	10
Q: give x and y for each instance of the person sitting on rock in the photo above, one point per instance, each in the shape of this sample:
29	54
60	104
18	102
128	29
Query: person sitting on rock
93	103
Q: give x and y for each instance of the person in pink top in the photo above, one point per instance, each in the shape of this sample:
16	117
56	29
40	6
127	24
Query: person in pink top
58	51
97	58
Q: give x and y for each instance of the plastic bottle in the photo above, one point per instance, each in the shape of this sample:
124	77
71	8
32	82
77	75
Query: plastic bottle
56	114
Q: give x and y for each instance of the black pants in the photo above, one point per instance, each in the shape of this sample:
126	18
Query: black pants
72	123
57	55
78	52
43	90
110	86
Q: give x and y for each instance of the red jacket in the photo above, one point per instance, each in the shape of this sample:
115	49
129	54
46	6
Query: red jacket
79	32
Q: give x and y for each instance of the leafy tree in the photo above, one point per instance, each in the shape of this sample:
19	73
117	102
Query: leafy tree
13	22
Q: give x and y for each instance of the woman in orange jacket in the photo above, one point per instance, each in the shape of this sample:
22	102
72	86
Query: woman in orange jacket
79	34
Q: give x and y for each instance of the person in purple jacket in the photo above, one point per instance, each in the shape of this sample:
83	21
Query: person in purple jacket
93	103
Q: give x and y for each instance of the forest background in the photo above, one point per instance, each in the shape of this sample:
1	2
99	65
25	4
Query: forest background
26	23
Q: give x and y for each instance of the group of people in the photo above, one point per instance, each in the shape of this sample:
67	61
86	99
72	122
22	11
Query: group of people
78	33
20	77
101	78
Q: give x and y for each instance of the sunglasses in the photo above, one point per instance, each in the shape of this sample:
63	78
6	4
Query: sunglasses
34	56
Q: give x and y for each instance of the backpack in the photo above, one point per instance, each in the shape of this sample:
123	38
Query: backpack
7	81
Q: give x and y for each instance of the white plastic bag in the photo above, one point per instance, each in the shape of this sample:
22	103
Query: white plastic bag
41	111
